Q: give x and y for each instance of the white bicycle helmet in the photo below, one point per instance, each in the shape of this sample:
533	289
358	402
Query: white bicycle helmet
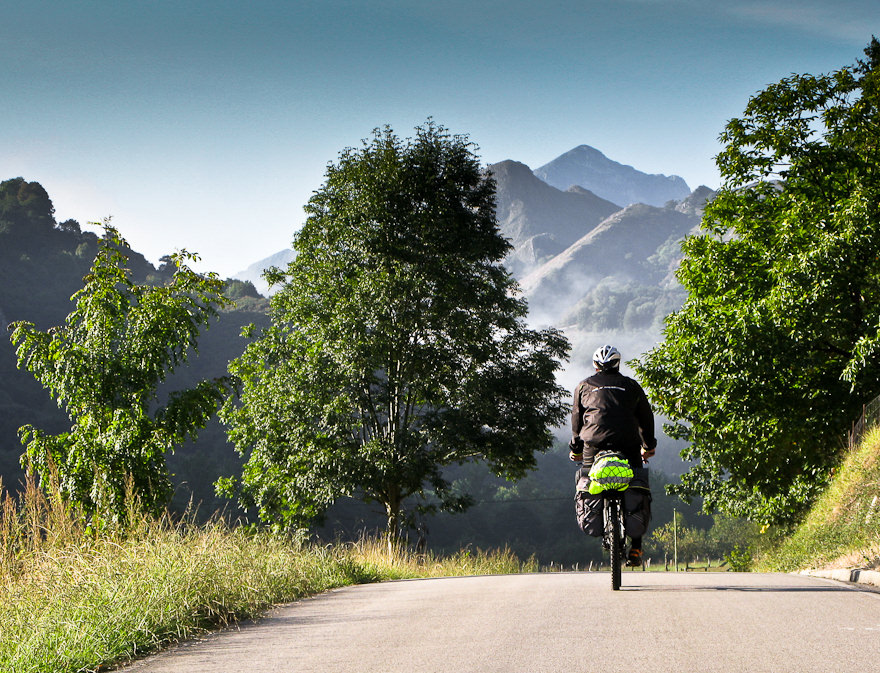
606	357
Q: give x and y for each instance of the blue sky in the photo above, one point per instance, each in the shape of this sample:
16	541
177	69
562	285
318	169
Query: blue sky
206	125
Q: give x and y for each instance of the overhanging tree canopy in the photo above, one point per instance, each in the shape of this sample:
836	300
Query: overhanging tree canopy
776	347
397	343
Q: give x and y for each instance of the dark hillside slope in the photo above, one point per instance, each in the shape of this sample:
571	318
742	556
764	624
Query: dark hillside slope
42	264
539	220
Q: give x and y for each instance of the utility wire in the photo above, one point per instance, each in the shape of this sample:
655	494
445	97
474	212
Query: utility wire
503	502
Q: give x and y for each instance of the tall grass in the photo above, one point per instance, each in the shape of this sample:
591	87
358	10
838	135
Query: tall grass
843	528
74	600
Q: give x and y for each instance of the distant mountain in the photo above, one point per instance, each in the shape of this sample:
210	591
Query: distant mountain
624	246
616	284
587	167
539	220
254	273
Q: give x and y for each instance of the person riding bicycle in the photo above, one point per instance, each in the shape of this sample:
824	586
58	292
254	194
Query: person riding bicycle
612	412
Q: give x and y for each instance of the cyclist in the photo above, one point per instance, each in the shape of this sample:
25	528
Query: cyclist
611	412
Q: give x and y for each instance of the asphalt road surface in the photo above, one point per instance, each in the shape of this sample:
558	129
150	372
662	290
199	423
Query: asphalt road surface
562	622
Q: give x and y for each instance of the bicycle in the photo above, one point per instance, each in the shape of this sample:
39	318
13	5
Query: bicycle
615	477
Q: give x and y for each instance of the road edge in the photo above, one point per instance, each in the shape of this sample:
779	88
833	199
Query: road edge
851	576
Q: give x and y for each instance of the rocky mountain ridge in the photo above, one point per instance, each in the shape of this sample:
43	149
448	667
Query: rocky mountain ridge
539	220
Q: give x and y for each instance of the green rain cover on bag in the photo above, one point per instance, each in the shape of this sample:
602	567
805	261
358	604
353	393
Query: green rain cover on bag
610	472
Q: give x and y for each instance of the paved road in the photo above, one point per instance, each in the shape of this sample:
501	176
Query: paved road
566	623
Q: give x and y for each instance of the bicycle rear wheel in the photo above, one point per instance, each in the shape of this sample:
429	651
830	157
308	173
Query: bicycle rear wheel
616	543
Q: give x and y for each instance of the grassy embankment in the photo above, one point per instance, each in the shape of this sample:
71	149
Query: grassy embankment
843	529
75	601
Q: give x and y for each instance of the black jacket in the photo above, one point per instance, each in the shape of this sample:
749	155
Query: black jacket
611	411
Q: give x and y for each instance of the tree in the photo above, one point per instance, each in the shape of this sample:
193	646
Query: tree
103	366
26	203
398	344
676	538
726	537
775	349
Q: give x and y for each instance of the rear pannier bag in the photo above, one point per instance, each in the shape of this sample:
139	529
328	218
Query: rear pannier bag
588	510
637	503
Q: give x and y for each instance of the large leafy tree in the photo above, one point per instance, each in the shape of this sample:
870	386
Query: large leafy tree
104	367
775	349
398	344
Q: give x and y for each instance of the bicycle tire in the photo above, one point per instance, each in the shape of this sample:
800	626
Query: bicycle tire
616	544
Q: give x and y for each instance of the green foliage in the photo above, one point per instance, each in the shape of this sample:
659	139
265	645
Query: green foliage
726	538
689	542
240	289
740	560
26	206
41	265
843	527
773	353
398	345
614	305
103	367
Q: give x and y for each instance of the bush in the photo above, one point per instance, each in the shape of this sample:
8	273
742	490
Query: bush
740	560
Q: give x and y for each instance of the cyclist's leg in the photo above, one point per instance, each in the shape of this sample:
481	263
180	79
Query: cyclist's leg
634	557
638	499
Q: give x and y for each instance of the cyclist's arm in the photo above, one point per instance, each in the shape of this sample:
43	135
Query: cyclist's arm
576	445
645	418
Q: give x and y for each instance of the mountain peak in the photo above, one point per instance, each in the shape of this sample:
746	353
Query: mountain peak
586	151
587	167
510	167
696	202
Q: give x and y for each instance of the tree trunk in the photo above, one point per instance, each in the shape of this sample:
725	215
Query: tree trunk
392	511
